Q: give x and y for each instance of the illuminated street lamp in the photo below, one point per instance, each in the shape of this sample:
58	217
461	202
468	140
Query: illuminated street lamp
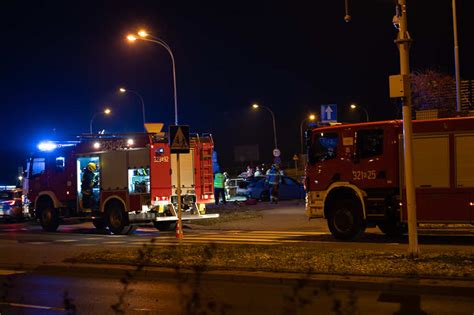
145	36
354	106
311	117
123	91
257	106
106	112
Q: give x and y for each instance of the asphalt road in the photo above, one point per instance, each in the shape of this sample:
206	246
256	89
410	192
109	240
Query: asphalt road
50	293
24	246
26	243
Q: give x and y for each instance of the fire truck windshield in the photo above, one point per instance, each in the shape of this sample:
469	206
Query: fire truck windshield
323	147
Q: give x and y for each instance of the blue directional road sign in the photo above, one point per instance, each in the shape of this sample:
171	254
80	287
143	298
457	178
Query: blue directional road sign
179	139
329	113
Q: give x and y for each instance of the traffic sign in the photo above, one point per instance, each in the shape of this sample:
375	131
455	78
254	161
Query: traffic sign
329	113
179	139
276	152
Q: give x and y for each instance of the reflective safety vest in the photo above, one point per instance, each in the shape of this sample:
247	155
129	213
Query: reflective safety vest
273	177
219	180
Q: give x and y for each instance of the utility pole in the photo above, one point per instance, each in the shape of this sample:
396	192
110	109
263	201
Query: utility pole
403	42
456	59
400	88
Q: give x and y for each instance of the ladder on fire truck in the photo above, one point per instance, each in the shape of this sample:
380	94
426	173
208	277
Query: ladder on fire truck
205	144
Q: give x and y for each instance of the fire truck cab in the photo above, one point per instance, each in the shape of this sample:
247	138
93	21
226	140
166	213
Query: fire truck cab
134	181
355	175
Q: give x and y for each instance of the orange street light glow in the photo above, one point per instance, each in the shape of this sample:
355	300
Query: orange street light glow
131	38
122	90
255	106
312	117
107	111
142	33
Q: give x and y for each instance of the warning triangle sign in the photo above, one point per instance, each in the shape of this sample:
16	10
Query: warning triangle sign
179	139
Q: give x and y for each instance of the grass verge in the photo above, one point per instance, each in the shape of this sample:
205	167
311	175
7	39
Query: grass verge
294	258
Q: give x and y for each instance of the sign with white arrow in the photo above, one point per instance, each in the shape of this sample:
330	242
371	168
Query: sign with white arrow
328	113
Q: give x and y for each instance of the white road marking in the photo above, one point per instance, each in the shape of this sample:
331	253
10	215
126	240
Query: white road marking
39	307
37	243
65	241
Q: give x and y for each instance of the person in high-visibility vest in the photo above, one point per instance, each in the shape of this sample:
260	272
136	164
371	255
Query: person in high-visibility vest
219	184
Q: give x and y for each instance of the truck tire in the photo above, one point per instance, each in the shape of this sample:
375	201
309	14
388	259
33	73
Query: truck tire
392	228
116	218
48	216
345	220
165	225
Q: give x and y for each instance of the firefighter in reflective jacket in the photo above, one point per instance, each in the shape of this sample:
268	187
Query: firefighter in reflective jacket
273	180
219	183
88	182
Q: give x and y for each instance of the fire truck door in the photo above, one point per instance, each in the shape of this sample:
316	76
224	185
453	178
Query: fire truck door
187	170
370	168
464	168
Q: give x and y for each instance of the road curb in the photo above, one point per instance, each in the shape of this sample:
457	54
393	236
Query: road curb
400	284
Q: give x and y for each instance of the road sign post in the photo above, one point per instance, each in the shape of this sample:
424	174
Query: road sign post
179	143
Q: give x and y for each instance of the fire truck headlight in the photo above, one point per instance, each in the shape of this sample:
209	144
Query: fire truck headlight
96	145
47	146
130	142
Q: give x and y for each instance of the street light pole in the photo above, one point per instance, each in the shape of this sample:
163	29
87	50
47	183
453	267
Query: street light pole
149	38
105	112
273	118
456	59
403	42
143	35
311	117
123	90
354	106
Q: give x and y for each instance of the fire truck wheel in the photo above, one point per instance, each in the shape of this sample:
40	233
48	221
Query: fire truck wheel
164	225
345	220
48	216
392	228
116	218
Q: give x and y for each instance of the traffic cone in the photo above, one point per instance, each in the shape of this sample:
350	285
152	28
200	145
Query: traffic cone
178	234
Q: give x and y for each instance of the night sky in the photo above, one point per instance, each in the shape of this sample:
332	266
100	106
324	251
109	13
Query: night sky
63	61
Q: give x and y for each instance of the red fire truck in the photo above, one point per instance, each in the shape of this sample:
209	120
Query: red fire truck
354	175
135	181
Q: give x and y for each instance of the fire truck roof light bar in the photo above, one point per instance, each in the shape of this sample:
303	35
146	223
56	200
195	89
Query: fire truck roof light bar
48	146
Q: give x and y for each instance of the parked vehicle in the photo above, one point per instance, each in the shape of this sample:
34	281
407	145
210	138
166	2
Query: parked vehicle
11	204
243	188
289	189
355	175
134	181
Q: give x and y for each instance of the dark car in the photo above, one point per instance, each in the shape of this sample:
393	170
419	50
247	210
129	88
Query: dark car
243	188
11	204
289	189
